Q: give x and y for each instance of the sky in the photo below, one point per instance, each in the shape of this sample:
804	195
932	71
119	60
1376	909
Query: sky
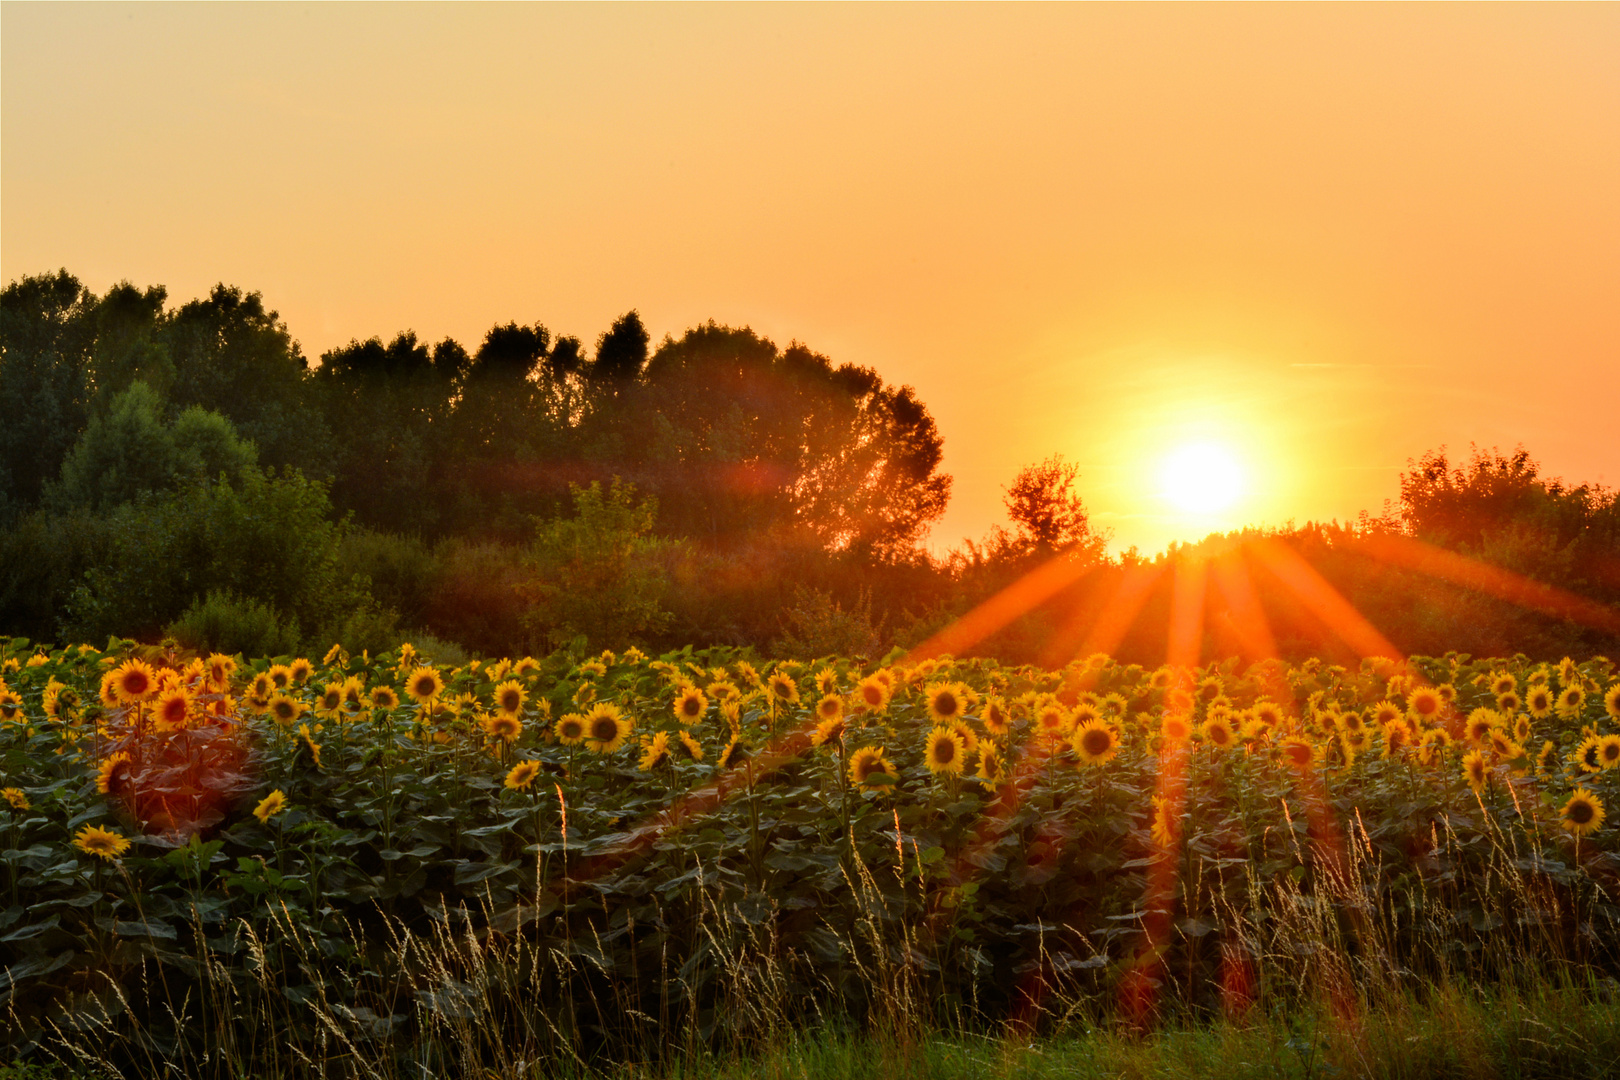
1288	247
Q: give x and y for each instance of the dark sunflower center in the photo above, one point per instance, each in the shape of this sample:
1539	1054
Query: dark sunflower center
510	701
944	751
946	704
604	729
1581	813
1096	742
690	706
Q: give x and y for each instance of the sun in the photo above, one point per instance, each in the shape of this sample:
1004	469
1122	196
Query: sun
1201	478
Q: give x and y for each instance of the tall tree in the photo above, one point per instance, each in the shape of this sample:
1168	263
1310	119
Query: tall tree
46	336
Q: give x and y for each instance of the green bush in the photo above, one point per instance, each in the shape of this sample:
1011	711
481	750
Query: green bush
227	623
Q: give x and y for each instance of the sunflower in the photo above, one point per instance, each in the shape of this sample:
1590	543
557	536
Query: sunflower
1095	743
735	753
585	694
1424	704
1164	826
1397	736
723	691
1475	769
1503	682
991	766
219	670
1210	689
354	695
383	699
1508	703
1269	713
867	763
424	684
1608	751
687	746
830	707
16	797
261	687
331	701
1503	747
1051	718
1611	701
997	720
510	696
521	776
503	726
310	744
1566	671
1481	722
1521	727
300	670
1160	679
1585	756
102	843
655	751
1297	752
112	772
947	701
1176	728
872	693
1218	732
1539	700
606	728
334	653
690	705
945	752
1571	699
134	681
284	708
280	675
1583	813
1350	722
271	805
829	730
11	704
1545	759
886	677
572	728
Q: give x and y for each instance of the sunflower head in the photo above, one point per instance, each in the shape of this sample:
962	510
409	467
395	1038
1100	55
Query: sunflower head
686	746
384	699
947	701
284	709
872	693
735	753
102	843
829	730
424	684
606	728
571	729
510	696
113	773
1571	699
1424	704
867	764
1297	752
502	726
690	705
991	765
1218	733
655	751
1583	813
944	752
1608	751
134	681
522	775
1476	770
16	798
1095	743
783	688
271	805
1504	682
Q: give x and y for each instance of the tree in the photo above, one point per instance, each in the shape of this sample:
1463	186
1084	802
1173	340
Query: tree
46	334
130	451
741	439
599	574
1048	513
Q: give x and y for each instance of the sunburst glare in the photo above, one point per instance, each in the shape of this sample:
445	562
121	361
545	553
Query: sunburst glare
1201	478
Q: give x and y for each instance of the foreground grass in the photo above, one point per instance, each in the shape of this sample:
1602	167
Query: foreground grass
1558	1034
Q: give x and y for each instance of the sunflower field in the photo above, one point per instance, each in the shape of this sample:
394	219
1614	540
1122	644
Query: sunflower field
377	865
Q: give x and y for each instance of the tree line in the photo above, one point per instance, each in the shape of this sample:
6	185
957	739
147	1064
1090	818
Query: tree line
186	471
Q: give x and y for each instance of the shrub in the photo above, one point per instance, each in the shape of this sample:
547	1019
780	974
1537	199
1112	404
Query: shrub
227	623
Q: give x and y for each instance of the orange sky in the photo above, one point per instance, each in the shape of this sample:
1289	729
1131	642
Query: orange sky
1325	238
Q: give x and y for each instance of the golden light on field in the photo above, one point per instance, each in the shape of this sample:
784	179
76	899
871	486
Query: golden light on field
1201	478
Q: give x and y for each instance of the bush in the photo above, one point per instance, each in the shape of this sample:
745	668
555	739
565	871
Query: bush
270	540
227	623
